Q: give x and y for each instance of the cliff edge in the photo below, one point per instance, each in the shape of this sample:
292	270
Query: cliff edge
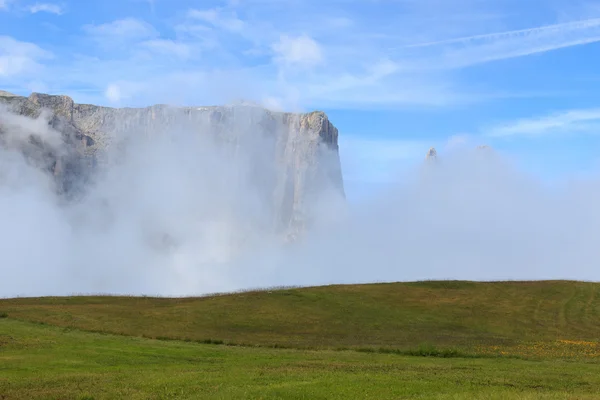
300	150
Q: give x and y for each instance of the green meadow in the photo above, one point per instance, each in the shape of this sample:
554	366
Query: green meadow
438	340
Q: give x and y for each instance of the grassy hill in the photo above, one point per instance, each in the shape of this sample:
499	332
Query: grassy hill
561	318
503	340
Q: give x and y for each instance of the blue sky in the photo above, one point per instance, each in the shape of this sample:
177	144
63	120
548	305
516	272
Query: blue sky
395	76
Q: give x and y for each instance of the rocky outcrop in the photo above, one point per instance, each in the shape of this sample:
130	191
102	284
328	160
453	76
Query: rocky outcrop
31	127
431	154
301	150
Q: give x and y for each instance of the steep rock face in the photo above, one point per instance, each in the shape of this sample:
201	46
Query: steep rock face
298	152
70	162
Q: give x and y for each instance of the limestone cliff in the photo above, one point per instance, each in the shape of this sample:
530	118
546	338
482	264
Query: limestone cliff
301	149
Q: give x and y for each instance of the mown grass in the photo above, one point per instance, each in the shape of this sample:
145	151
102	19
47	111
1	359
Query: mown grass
45	362
523	319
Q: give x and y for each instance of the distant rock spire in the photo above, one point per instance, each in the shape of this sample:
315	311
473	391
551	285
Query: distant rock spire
485	151
431	154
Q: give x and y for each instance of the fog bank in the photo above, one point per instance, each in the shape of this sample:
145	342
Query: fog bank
179	214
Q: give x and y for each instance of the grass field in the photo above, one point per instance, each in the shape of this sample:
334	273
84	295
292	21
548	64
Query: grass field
524	340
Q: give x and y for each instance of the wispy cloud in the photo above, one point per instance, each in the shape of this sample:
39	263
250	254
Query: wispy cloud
168	47
19	58
566	122
302	54
46	7
4	4
123	29
300	50
219	18
476	49
113	93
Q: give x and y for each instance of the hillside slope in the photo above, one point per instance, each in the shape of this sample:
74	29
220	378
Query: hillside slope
466	315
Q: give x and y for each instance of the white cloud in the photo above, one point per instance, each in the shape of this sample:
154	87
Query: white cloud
566	122
119	91
340	22
457	141
113	93
168	47
299	50
218	19
4	4
46	7
18	58
278	47
37	86
123	29
383	68
211	15
273	103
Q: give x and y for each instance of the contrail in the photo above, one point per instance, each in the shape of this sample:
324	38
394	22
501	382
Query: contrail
558	28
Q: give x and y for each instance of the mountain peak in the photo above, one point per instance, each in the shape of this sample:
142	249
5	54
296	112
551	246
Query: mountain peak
431	154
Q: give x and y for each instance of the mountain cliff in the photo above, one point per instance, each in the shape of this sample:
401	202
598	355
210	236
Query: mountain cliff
296	162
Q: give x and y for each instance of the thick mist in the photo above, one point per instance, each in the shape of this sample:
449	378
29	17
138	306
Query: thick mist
175	214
